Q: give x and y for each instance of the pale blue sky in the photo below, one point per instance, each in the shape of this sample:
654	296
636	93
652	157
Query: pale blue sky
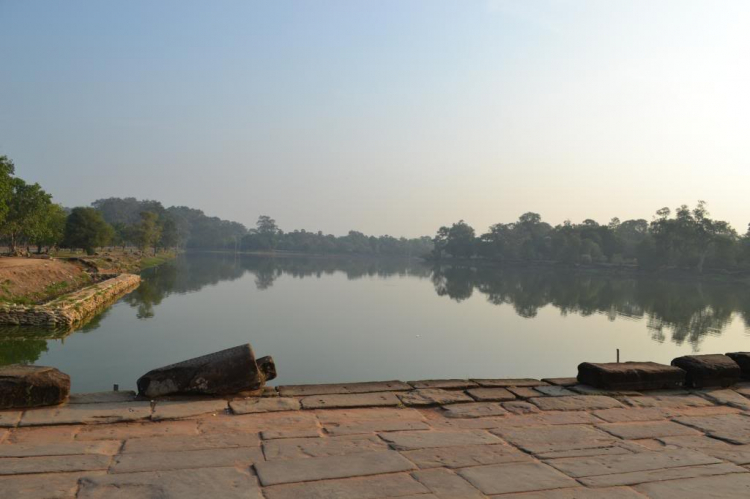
384	116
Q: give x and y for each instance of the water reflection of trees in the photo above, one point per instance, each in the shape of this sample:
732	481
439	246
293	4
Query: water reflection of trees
685	311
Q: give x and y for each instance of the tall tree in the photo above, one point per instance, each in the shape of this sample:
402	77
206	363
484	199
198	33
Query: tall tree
25	218
148	231
52	231
6	188
86	229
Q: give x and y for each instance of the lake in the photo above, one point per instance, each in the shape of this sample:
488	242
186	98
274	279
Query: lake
351	319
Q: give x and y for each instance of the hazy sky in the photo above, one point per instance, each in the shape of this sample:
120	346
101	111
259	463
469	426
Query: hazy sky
383	116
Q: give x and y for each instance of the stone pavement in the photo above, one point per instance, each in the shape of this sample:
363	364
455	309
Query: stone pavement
519	439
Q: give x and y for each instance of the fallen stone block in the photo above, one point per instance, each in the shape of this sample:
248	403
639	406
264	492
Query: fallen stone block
32	386
226	372
630	376
708	370
743	360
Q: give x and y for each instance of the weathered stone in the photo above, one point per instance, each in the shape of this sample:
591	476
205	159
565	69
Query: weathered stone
743	360
561	381
520	407
87	414
107	448
101	397
436	396
727	397
444	483
666	401
24	386
342	388
350	400
409	440
590	390
445	384
575	403
490	394
515	477
504	383
190	443
53	464
326	468
254	423
300	448
627	463
377	425
708	370
636	431
608	450
41	486
346	416
737	454
734	485
696	442
536	439
630	376
300	433
137	430
554	391
196	459
228	371
659	475
629	415
475	410
465	456
579	493
227	483
271	404
9	419
524	392
178	409
378	487
732	428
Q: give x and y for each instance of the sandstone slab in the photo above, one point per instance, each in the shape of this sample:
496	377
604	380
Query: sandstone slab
190	443
504	383
24	386
293	433
734	485
641	430
9	419
342	388
490	394
727	397
196	459
137	430
350	400
444	483
667	401
445	384
87	414
433	396
409	440
743	360
575	403
377	487
708	370
179	409
630	376
660	475
300	448
733	428
628	415
561	381
107	448
627	463
344	416
53	464
555	391
515	477
475	410
41	486
555	438
373	426
269	404
465	456
524	392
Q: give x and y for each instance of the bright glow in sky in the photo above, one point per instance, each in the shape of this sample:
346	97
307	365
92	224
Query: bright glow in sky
386	116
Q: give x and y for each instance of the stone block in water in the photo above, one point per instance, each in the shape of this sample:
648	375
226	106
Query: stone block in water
32	386
222	373
630	376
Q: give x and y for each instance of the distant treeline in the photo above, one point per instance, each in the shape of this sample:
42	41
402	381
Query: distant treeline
688	239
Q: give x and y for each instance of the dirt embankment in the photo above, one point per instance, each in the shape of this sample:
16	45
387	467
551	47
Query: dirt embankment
31	280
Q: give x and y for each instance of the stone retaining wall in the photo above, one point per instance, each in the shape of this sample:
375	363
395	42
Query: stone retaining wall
72	308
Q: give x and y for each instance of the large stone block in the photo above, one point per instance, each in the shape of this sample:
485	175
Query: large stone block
228	371
32	386
743	360
631	376
708	370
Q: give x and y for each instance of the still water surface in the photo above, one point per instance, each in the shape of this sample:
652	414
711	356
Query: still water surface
334	320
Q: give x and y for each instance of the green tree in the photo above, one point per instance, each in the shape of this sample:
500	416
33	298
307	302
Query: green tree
461	241
6	188
25	218
52	231
86	229
148	232
170	233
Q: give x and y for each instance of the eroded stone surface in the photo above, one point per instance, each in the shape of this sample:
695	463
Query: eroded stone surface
342	388
555	438
515	477
377	425
561	381
187	409
446	384
476	410
353	400
579	493
400	485
32	386
635	431
659	475
490	394
576	403
436	396
190	443
627	463
53	464
732	428
727	397
46	486
734	485
207	458
408	440
107	448
268	404
87	414
708	370
444	483
504	383
300	448
554	391
465	456
630	376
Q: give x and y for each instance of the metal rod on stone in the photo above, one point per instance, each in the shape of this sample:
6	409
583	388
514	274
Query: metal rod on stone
618	355
116	388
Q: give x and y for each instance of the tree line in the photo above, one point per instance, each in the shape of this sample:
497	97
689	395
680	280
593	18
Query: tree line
687	239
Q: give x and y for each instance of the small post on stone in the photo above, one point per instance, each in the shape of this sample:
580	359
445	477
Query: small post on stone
618	355
116	388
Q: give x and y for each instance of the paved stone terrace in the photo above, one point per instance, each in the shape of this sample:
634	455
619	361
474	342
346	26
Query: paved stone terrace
428	439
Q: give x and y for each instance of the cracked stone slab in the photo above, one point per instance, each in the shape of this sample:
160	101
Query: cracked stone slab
504	383
607	450
627	463
579	493
436	396
551	418
207	458
524	392
342	388
180	409
491	394
590	390
555	438
445	483
727	397
47	486
734	485
575	403
520	407
409	440
737	454
445	384
465	456
300	448
671	474
107	448
87	414
350	400
630	415
137	430
300	433
378	425
227	483
377	487
732	428
331	467
474	410
53	464
268	404
555	391
699	442
636	431
515	477
561	381
667	401
190	443
9	419
367	414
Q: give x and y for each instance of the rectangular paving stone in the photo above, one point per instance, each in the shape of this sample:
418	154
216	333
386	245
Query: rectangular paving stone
474	410
630	415
378	425
734	485
300	448
465	456
42	486
727	397
408	440
490	394
579	493
444	483
87	414
672	474
9	419
180	409
260	405
101	397
515	477
353	400
561	381
208	458
53	464
524	392
433	396
551	418
519	406
666	401
607	450
627	463
301	433
737	454
190	443
635	431
590	390
538	439
137	430
575	403
700	442
504	383
377	487
367	414
104	447
732	428
342	388
226	483
630	375
555	391
331	467
254	423
446	384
